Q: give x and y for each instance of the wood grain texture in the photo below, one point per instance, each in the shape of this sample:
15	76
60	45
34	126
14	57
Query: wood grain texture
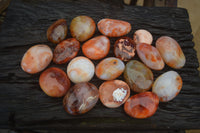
23	105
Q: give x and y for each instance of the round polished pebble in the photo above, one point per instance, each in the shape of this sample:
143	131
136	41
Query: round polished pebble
54	82
142	105
150	56
171	52
113	27
81	98
167	86
138	76
109	68
114	93
66	50
142	36
80	69
82	28
124	48
57	31
96	48
36	58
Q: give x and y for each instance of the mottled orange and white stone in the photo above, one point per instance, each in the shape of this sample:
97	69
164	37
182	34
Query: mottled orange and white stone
113	27
171	52
150	56
80	69
142	36
96	48
36	58
167	86
109	68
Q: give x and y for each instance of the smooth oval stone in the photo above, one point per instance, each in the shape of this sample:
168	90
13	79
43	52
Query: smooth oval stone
80	98
109	68
113	27
167	86
124	48
82	28
142	36
138	76
54	82
36	58
57	31
171	52
66	50
80	69
96	48
142	105
114	93
150	56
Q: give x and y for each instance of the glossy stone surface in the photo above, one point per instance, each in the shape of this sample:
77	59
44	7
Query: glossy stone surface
109	68
80	98
171	52
142	36
124	48
167	86
82	28
80	69
138	76
114	93
142	105
36	58
150	56
113	27
96	48
57	31
54	82
66	50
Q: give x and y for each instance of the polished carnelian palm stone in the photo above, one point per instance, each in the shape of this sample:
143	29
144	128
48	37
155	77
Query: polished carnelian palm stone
81	98
54	82
142	105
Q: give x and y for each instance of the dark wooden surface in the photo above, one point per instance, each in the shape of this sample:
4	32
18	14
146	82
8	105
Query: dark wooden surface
23	105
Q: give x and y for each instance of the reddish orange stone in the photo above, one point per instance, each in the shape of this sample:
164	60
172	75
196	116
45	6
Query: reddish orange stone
96	48
66	50
114	93
113	27
54	82
142	105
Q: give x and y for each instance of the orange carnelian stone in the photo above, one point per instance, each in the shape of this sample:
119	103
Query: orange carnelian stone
96	48
54	82
150	56
114	93
142	105
113	27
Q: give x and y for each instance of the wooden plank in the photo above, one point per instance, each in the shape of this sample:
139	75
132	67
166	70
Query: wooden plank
25	106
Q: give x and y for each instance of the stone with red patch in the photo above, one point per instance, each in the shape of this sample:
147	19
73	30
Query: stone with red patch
54	82
142	105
